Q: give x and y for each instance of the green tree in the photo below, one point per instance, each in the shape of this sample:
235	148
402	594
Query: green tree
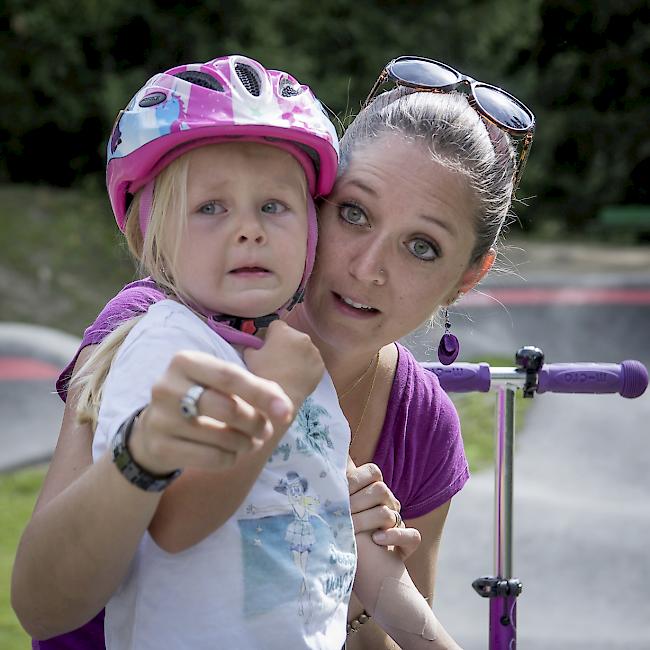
584	69
593	84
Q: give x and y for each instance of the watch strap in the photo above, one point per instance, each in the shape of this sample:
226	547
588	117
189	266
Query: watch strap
129	468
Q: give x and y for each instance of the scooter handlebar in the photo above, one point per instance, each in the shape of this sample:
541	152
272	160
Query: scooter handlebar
629	379
462	377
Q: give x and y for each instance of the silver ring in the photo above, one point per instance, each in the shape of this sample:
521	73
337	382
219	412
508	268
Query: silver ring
399	522
190	401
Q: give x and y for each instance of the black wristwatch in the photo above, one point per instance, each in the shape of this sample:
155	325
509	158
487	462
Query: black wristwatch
133	472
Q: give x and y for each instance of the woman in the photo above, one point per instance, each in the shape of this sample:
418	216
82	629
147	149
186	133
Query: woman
425	184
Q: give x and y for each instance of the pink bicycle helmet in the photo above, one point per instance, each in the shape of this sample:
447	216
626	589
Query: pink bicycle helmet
231	97
193	104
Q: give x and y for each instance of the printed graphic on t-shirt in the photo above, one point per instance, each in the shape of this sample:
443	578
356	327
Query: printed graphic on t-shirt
313	435
296	557
301	551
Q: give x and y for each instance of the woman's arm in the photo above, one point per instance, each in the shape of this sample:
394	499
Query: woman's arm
82	535
421	565
86	528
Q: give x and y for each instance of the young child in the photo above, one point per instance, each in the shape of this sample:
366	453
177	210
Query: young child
212	170
212	173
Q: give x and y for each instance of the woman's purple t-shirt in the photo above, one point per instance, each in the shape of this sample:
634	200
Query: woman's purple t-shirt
420	449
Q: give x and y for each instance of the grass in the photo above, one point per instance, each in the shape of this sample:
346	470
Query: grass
477	412
18	492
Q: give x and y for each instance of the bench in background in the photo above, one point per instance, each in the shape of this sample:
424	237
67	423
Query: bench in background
627	222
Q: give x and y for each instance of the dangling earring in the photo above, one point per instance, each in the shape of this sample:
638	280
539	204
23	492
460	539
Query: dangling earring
449	346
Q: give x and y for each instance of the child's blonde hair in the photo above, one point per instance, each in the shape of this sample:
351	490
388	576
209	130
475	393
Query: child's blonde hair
155	253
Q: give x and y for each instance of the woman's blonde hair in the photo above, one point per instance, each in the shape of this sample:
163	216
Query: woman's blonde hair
156	254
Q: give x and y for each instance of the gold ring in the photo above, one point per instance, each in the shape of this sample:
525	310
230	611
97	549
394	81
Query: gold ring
398	520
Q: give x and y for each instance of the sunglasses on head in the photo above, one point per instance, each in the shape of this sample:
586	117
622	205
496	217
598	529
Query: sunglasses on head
492	103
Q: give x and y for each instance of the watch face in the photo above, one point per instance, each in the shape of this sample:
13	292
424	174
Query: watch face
122	459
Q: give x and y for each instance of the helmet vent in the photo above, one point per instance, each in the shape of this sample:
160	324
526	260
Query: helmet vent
289	91
249	78
200	79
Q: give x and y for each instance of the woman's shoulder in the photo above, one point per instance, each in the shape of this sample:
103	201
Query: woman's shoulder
415	387
421	419
419	413
134	298
423	454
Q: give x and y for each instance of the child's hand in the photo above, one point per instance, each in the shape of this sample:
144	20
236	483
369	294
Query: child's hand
289	358
238	412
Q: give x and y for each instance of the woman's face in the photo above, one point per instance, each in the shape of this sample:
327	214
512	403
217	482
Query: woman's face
395	238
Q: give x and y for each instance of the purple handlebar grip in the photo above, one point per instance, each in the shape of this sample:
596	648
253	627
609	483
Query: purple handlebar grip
629	378
462	377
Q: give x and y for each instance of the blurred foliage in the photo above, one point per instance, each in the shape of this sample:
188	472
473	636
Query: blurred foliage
61	256
583	67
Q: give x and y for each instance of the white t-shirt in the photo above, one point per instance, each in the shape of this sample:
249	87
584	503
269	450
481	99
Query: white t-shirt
279	572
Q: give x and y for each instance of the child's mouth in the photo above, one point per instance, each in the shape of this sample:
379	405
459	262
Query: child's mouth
250	270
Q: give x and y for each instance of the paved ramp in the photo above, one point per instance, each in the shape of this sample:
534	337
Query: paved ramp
582	531
31	358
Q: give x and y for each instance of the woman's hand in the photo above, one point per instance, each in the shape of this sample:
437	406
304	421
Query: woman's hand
238	411
289	358
373	508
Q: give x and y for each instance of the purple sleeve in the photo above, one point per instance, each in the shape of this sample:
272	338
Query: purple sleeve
134	299
88	637
420	449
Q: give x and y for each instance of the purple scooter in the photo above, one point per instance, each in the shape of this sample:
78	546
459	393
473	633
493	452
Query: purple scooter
629	379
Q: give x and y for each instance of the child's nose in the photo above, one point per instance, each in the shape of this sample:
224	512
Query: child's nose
251	229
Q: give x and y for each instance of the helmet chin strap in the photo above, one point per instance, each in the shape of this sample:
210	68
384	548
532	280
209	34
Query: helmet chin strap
239	330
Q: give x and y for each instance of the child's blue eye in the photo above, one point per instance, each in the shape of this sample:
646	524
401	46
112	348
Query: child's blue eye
353	214
273	207
423	249
211	207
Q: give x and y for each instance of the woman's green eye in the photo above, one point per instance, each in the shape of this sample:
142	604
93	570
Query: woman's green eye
422	249
353	214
